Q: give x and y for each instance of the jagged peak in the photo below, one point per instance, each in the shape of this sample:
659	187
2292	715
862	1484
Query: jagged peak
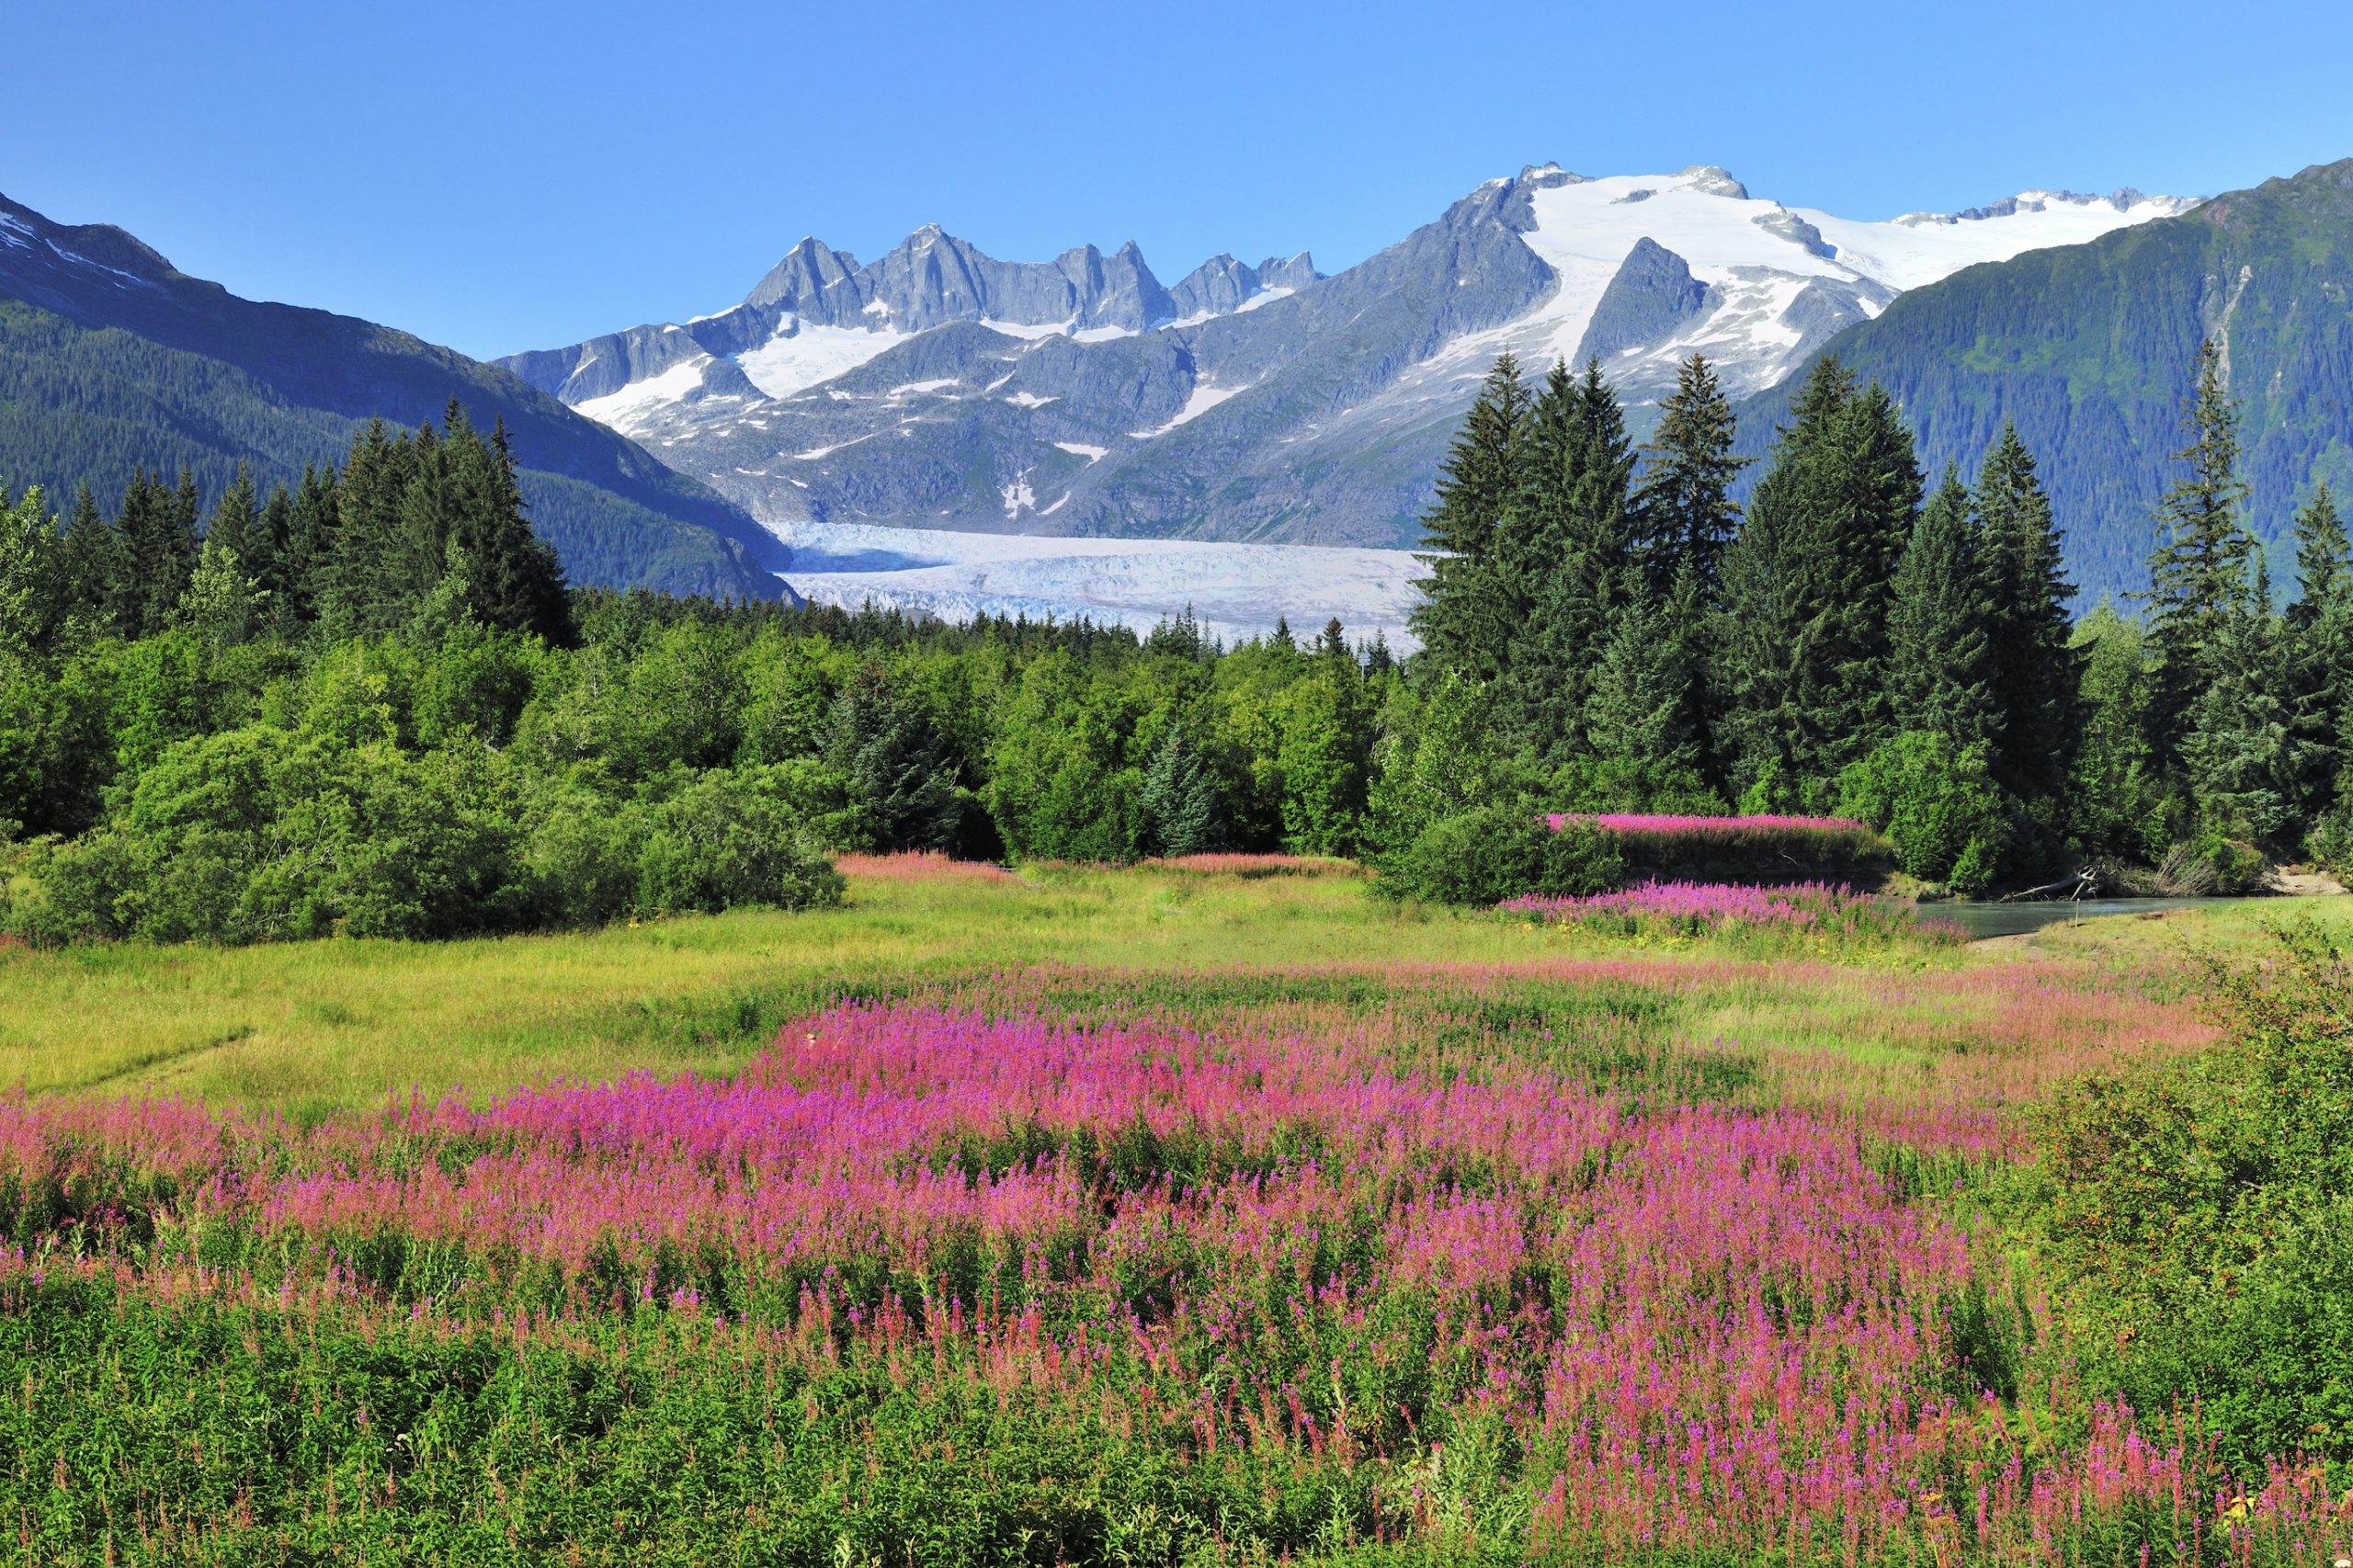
1714	179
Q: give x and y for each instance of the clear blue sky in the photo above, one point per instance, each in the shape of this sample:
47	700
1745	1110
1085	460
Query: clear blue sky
499	176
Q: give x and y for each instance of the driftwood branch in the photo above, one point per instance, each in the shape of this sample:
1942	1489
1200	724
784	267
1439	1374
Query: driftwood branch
2074	887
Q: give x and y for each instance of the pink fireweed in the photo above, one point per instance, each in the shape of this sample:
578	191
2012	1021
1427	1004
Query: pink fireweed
1669	841
1706	1329
918	866
1699	908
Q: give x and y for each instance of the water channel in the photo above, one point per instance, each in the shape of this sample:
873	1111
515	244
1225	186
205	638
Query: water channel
1983	920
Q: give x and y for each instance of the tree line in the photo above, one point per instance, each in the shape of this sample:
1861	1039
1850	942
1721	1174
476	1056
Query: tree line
1857	639
367	703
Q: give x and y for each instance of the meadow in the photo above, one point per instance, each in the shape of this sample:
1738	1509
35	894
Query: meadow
1201	1212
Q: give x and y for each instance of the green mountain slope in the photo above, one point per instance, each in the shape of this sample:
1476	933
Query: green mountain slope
110	359
2090	348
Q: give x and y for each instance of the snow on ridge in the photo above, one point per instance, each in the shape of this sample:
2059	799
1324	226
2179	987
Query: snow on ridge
630	408
802	355
1205	397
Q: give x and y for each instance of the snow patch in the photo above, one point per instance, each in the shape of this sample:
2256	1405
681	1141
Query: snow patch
632	408
802	354
1018	497
1205	397
1081	449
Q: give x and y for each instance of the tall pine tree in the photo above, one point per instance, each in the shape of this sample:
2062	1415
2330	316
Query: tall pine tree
1684	514
2037	672
1940	659
1464	619
2319	629
2199	572
1570	572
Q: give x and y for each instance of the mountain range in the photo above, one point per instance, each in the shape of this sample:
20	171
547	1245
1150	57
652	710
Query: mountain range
935	388
2091	348
943	430
112	358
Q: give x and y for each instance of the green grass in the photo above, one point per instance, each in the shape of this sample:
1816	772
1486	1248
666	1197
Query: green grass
310	1027
314	1025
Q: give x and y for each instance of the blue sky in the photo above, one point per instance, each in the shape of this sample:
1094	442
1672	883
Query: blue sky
499	177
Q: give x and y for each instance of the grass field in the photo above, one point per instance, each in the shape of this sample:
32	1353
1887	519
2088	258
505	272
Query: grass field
310	1027
1150	1216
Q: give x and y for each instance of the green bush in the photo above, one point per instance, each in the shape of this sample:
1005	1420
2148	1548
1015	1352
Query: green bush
1493	853
721	841
1938	801
2201	1213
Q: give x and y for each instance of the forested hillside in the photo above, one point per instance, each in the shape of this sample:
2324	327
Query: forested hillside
366	704
2086	348
112	361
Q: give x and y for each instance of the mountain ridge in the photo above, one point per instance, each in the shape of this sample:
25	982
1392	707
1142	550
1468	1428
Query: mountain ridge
1063	398
110	358
2091	347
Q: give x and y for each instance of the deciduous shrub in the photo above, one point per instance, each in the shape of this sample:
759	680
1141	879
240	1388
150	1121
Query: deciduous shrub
1938	804
1493	853
2202	1213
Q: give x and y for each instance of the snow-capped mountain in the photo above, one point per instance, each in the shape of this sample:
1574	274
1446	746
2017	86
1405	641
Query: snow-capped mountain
939	389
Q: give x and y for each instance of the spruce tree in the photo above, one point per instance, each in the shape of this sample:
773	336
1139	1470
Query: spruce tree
2237	747
2319	629
234	515
1182	811
271	563
519	583
1939	656
1863	494
1642	716
2199	570
1569	575
157	528
1464	620
1803	657
306	575
1683	511
2037	672
1757	641
96	564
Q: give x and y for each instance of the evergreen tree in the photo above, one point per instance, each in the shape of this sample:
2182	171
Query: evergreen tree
2238	747
362	580
2199	572
1463	619
1804	658
1567	565
517	585
271	564
306	575
1642	716
1758	642
96	564
1683	511
234	515
157	528
902	775
1863	494
1940	660
2319	628
1183	814
2035	670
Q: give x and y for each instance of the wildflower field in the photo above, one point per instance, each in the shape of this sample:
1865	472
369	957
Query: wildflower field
1195	1214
